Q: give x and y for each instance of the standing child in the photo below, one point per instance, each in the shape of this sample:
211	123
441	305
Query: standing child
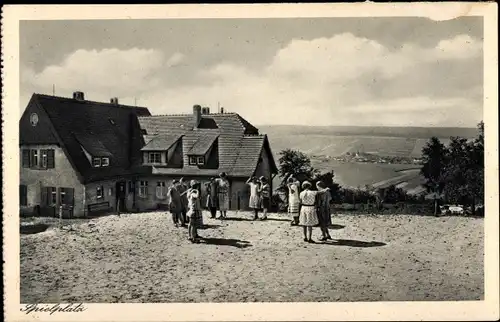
308	217
212	197
223	194
293	200
182	187
175	204
324	199
265	196
194	213
254	201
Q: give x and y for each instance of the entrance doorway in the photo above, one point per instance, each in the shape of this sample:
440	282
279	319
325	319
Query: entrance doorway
120	196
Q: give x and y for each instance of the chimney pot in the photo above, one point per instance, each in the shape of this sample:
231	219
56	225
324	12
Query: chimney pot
222	110
196	115
114	100
205	110
78	96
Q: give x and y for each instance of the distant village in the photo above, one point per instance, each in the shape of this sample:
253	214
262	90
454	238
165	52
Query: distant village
363	157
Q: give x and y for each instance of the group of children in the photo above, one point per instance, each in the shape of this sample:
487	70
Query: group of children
186	206
308	208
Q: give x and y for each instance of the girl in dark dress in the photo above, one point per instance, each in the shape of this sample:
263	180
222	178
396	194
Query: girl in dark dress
212	197
323	200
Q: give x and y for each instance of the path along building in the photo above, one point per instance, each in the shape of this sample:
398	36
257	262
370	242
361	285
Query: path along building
91	157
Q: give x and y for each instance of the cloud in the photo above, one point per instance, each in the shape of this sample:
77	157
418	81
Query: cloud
343	79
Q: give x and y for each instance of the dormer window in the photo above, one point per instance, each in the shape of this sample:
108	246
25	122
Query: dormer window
200	160
104	162
154	157
96	162
196	160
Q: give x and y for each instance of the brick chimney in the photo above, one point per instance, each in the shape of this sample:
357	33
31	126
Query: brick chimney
78	96
196	115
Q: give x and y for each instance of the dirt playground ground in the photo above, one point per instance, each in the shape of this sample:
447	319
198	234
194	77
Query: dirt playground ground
144	258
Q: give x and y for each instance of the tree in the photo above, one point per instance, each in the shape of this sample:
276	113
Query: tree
327	179
435	158
296	163
474	173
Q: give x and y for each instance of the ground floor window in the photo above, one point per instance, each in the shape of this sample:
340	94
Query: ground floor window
52	196
23	195
99	192
143	189
161	190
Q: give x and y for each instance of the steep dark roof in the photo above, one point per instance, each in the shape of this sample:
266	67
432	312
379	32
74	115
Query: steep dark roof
161	142
203	144
98	127
239	143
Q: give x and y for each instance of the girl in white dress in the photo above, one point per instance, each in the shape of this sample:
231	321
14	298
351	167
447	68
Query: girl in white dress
293	200
308	217
254	200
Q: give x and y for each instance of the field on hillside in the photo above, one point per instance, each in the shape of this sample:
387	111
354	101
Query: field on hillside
144	258
320	144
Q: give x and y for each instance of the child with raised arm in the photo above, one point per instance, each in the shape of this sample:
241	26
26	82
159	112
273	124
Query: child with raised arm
265	196
254	201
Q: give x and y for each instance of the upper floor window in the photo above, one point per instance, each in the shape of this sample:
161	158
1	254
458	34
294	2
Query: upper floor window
105	162
196	160
38	158
154	157
96	162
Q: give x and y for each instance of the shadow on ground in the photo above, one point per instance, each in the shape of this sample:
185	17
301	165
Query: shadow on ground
226	242
209	226
336	227
355	243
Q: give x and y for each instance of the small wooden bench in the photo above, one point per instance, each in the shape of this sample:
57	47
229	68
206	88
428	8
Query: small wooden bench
99	208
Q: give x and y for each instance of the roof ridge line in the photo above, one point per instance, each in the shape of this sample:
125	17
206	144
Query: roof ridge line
188	114
91	101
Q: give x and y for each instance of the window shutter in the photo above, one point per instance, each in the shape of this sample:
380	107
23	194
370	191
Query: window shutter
23	195
69	196
50	159
26	158
45	196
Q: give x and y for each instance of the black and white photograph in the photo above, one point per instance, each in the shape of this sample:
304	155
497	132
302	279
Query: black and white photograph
252	160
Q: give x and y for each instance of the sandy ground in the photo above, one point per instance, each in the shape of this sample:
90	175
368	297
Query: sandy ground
144	258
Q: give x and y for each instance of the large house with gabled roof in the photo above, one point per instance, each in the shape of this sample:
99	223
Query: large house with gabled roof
200	146
86	157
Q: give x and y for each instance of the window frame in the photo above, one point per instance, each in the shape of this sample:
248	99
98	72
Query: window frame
94	164
103	163
143	189
152	157
198	158
62	196
193	160
161	186
34	156
53	196
100	192
44	155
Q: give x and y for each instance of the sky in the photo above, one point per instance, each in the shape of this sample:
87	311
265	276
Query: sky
305	71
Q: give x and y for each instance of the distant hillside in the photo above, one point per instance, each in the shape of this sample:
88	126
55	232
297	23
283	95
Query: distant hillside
404	132
337	141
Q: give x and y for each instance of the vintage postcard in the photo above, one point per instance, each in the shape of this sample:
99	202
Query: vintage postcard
267	162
